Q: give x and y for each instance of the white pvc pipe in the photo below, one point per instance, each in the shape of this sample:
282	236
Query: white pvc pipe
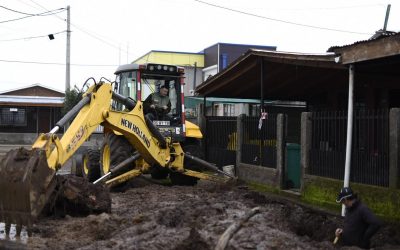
350	109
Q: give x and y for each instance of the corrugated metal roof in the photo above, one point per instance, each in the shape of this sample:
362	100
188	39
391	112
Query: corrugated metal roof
31	99
378	35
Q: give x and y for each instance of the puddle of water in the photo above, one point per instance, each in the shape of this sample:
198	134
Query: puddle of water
22	239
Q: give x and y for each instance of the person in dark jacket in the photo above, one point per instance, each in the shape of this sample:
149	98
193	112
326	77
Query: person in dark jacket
360	224
157	105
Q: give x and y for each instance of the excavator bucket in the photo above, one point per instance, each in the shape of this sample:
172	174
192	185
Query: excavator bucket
26	183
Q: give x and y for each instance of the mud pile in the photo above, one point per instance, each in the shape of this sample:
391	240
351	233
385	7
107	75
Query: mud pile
152	216
77	197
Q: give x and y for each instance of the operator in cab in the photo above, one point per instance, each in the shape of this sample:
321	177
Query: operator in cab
157	105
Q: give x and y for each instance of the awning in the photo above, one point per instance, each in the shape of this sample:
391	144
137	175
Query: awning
286	76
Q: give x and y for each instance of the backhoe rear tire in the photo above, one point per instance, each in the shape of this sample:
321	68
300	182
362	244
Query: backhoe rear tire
114	150
194	150
89	165
159	173
184	180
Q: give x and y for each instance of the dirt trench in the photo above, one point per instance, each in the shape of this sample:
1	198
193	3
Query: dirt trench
153	216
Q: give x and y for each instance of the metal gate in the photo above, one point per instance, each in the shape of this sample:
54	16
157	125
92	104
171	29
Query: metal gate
259	141
220	140
370	147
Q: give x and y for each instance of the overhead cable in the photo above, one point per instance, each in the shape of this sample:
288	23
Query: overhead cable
279	20
328	8
31	37
85	31
62	64
29	14
47	13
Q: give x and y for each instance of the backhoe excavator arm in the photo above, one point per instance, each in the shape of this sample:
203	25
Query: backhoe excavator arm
93	110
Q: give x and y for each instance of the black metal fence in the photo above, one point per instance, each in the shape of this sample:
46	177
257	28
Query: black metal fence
370	146
221	140
259	141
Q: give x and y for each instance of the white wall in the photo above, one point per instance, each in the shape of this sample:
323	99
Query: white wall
189	79
209	71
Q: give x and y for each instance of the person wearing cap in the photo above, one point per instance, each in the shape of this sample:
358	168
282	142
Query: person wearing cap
360	224
157	105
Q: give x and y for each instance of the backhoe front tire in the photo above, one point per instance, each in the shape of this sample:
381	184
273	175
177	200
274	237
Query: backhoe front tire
114	150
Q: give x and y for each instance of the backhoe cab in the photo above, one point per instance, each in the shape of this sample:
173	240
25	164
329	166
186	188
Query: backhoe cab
139	81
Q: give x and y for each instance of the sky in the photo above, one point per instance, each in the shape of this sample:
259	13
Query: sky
105	34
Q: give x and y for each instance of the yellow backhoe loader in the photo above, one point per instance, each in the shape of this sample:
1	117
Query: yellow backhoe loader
133	144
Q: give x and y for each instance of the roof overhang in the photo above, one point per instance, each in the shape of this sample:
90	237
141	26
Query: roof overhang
286	76
369	50
7	100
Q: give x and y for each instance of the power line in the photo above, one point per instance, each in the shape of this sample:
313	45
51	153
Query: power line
327	8
97	37
47	13
15	19
29	14
279	20
31	37
19	12
85	31
60	64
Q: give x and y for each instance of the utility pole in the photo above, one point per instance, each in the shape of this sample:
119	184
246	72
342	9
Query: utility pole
349	136
386	17
119	55
68	56
127	52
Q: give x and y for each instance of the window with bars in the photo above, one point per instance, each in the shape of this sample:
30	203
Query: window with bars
13	117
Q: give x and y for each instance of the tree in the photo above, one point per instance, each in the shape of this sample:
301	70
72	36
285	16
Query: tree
72	97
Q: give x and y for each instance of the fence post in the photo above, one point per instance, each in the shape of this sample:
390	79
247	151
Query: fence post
394	127
239	139
201	121
280	148
306	134
200	113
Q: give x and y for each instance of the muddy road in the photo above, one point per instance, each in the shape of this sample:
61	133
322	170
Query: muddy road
154	216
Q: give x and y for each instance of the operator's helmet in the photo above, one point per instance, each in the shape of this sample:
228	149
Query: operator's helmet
345	193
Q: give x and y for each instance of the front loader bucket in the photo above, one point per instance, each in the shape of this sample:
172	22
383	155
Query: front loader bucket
26	182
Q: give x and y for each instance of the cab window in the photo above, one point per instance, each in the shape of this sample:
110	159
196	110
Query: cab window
125	85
